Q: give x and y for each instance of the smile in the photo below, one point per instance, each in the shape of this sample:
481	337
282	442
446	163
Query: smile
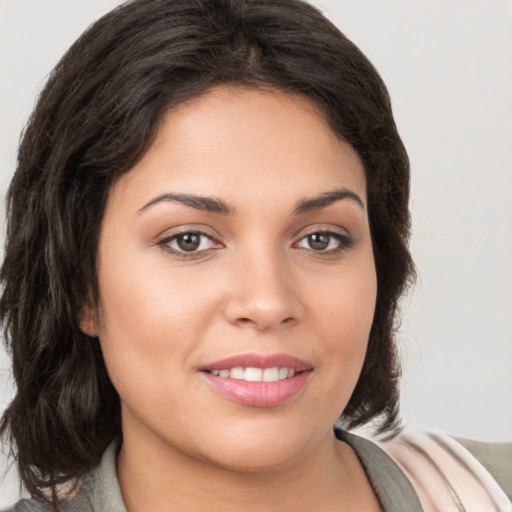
256	380
252	374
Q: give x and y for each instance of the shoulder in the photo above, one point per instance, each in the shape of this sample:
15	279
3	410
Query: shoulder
389	482
77	504
443	470
99	490
496	458
28	506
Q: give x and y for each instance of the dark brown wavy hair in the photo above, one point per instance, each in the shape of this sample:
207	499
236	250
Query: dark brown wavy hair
95	118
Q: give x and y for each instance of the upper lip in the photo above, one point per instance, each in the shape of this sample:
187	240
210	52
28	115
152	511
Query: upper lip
259	361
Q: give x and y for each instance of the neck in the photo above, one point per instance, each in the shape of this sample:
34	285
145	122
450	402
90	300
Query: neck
158	477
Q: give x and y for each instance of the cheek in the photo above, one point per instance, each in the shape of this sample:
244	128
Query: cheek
344	315
145	295
346	301
151	317
342	323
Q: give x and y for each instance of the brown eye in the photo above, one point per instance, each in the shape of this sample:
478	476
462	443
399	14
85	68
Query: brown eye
325	242
188	242
319	241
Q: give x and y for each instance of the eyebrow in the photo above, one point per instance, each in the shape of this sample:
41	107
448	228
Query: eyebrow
326	199
206	204
215	205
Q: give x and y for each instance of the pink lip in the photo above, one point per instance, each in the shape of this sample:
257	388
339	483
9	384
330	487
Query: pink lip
258	394
259	361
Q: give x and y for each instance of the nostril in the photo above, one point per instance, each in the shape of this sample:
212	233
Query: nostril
246	321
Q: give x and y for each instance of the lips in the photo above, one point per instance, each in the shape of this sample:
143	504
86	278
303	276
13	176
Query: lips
256	380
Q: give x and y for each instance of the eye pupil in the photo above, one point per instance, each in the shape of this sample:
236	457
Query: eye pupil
318	241
188	242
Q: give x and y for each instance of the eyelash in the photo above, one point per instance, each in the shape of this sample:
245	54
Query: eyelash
166	242
344	243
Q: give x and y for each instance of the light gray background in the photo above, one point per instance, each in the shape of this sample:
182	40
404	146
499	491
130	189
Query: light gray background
448	66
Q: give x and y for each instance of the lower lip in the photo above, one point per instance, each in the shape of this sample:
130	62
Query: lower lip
258	394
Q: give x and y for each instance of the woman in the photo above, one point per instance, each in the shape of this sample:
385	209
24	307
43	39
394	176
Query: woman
207	240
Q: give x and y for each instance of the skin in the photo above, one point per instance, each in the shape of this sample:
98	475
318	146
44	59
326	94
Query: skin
254	285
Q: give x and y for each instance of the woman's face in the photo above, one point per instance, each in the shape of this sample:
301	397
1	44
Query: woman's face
237	282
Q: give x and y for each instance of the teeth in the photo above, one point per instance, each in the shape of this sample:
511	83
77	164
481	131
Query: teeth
237	373
253	374
270	375
256	374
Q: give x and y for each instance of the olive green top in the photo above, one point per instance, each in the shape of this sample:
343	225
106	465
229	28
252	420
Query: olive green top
100	489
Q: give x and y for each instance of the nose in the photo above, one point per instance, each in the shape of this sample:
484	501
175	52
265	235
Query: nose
262	294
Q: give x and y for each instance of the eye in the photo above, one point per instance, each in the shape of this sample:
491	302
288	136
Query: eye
189	242
325	241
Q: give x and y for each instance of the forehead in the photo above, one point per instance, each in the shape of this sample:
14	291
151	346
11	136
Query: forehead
244	144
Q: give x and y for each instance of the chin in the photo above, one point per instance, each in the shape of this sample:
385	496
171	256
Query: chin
256	460
260	450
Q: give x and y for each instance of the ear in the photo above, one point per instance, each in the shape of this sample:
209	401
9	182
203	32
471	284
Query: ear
88	321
